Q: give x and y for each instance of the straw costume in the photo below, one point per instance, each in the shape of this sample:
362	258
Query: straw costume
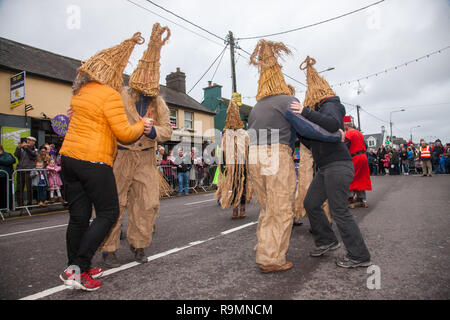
333	177
137	177
233	187
317	90
273	129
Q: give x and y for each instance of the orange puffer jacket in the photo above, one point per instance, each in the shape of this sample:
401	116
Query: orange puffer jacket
98	121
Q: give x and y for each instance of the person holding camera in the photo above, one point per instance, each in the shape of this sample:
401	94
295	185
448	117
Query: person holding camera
26	153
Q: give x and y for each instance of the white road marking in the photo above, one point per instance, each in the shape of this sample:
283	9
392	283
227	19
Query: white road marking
32	230
51	291
187	204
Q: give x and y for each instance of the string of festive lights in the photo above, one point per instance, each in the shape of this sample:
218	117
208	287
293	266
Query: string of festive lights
404	64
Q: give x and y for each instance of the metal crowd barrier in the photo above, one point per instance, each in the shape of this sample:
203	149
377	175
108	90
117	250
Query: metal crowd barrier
29	203
7	187
200	177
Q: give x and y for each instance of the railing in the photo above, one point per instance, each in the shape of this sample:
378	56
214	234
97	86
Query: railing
25	176
200	177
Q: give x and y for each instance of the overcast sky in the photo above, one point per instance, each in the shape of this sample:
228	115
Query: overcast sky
385	35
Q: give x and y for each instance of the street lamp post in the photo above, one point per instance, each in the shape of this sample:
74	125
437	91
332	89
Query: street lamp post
390	121
410	132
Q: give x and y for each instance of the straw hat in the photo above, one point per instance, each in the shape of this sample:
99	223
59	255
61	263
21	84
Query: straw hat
233	120
318	88
107	66
146	76
271	80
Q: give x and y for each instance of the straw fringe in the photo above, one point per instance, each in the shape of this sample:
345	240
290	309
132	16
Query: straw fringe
271	80
164	187
232	180
145	78
318	88
107	66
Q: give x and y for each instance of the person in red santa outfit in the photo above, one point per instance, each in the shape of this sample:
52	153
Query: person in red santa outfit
358	150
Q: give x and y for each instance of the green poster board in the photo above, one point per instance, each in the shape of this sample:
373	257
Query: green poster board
11	137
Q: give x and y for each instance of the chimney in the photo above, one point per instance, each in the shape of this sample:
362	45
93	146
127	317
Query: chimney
176	81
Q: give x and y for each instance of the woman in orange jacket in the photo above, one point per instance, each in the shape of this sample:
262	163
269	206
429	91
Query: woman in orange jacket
98	120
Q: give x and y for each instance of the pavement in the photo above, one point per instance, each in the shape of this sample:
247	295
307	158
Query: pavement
198	252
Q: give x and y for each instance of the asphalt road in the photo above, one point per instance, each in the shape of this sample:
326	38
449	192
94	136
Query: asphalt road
198	252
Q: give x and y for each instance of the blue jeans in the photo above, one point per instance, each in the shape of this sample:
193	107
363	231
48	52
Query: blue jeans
183	182
41	193
405	167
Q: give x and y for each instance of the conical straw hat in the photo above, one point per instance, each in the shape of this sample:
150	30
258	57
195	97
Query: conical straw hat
318	88
146	76
271	80
108	65
233	120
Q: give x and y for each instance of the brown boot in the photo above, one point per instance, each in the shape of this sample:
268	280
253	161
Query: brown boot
242	213
266	269
235	213
60	199
52	200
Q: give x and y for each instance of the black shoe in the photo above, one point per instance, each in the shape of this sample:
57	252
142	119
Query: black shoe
319	251
110	260
430	175
346	262
139	254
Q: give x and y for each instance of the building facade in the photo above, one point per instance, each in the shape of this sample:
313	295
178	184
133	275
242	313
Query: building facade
48	82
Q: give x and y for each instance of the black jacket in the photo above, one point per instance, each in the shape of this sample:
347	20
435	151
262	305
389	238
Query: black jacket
329	115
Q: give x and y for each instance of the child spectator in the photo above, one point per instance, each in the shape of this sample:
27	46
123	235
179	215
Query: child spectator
39	180
54	181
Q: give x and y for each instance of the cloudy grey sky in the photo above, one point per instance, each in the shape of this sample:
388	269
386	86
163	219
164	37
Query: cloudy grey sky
389	34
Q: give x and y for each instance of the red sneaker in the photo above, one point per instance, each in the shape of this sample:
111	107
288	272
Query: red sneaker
87	283
95	272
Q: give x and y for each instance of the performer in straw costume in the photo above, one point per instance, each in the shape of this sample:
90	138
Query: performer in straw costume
272	129
335	173
137	177
98	120
233	187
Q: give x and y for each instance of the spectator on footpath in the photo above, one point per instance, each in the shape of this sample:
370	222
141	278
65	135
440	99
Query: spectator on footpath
40	181
183	163
381	157
443	164
43	155
6	164
167	165
387	163
373	163
437	151
26	153
394	163
447	155
411	157
404	160
425	157
54	182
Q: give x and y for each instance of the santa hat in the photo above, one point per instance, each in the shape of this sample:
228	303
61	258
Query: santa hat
107	66
347	120
145	78
271	80
233	120
318	88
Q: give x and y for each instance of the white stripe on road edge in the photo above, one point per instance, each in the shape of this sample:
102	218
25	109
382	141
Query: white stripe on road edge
186	204
39	229
51	291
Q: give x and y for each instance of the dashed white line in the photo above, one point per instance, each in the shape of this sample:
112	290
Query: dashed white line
187	204
32	230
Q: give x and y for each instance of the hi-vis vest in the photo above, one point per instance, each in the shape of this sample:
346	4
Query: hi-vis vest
425	152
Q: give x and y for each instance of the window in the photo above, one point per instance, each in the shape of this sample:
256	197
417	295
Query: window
371	142
189	120
173	116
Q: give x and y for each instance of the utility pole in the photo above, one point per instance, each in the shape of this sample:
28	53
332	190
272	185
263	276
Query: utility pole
357	112
233	68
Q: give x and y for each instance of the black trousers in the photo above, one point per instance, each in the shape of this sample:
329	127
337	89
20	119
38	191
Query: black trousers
4	186
24	180
332	182
88	184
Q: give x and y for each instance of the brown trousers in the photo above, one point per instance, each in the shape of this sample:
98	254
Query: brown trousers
272	175
138	189
427	167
